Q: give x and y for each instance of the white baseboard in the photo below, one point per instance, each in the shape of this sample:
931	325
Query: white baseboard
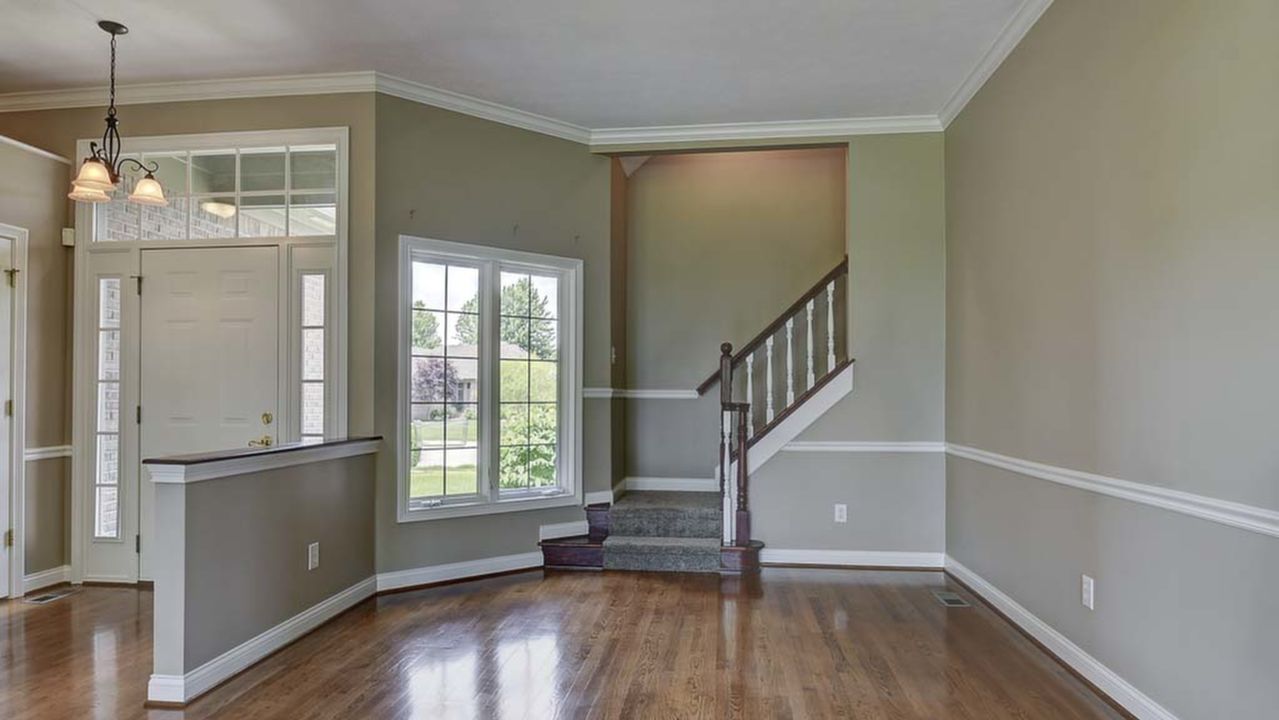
184	688
45	578
600	496
456	571
1105	679
853	558
566	529
671	483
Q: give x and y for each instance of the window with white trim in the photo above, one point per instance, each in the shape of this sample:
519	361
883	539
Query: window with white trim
489	380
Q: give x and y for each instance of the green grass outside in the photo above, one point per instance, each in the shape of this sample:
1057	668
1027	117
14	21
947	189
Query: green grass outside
429	482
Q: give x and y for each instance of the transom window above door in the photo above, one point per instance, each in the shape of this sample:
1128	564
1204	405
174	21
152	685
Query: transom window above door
236	192
490	380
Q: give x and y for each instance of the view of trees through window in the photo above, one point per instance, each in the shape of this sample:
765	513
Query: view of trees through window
447	388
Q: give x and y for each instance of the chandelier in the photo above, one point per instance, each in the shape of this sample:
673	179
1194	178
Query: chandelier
100	173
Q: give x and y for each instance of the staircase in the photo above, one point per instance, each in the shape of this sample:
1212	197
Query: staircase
768	394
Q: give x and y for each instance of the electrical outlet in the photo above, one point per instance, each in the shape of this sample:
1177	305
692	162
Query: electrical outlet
841	513
313	556
1086	591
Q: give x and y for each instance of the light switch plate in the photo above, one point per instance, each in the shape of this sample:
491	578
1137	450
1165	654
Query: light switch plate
313	556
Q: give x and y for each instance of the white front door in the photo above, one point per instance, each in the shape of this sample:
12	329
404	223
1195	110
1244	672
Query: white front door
209	357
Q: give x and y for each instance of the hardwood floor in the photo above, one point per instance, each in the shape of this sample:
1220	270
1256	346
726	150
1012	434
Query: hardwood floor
795	643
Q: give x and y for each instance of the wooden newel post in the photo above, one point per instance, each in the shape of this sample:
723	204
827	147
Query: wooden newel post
743	524
725	398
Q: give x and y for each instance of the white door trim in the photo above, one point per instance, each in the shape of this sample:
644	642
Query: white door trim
18	393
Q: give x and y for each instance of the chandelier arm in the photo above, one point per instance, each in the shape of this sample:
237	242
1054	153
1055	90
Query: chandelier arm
150	168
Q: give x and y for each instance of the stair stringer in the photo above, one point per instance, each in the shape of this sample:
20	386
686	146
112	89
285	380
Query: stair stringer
797	422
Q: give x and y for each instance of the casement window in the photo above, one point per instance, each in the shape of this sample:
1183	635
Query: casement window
489	380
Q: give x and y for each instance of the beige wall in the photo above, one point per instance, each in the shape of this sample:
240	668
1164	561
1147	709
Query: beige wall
246	548
1111	227
719	244
896	254
452	177
33	192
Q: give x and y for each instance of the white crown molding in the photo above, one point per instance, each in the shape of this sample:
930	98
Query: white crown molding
1092	669
1237	515
399	579
5	140
1009	38
184	688
45	578
192	90
852	558
864	447
367	81
770	130
47	453
467	105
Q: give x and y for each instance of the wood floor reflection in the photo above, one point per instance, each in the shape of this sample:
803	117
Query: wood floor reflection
794	644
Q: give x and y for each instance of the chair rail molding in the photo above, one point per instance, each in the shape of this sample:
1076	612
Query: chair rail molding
862	446
1226	512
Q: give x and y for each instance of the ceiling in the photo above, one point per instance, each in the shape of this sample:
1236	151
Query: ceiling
591	63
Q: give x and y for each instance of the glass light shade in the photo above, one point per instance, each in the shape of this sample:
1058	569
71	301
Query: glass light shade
88	194
94	175
148	192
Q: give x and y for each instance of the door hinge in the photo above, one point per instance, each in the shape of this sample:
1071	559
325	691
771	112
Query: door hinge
138	415
11	276
137	544
8	408
8	538
139	279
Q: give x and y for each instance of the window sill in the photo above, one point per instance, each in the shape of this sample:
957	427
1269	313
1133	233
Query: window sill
489	508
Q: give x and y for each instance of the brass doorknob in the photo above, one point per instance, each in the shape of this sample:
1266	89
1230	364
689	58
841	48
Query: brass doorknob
264	441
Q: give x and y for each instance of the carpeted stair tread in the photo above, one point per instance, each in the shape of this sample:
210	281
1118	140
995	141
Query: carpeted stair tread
662	554
666	514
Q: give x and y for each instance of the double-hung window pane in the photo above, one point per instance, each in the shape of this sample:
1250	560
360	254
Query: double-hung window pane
446	386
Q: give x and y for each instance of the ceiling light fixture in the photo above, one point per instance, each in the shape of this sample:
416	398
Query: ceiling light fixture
100	173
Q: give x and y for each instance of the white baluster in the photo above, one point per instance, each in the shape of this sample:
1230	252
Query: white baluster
768	387
809	375
790	361
750	394
830	326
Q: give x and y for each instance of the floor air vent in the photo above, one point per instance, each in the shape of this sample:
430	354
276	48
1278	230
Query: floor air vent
46	598
950	599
